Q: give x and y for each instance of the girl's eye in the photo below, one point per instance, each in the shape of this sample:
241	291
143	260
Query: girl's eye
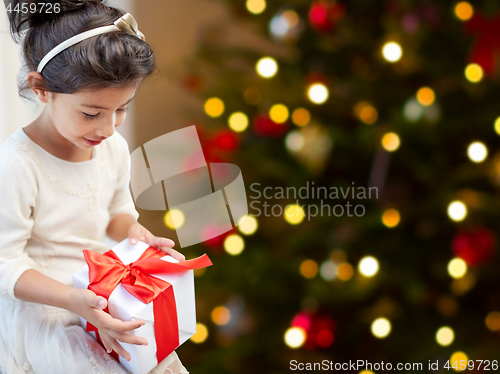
123	110
90	116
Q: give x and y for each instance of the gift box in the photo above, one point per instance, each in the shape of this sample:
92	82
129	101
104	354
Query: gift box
141	282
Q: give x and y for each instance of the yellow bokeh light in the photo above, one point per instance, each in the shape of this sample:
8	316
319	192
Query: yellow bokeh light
214	107
392	51
381	327
256	6
318	93
308	269
391	141
344	271
247	225
464	11
366	372
457	268
497	126
291	17
426	96
391	218
474	73
445	336
238	121
493	321
267	67
294	214
302	117
295	337
279	113
366	112
457	210
477	152
174	219
234	244
201	334
458	361
368	266
221	315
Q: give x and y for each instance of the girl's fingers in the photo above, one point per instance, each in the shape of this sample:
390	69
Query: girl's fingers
134	234
115	346
172	252
127	338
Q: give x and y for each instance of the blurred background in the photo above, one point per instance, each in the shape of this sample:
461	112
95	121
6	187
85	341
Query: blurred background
385	116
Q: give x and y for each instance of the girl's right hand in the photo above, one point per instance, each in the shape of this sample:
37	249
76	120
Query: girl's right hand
89	306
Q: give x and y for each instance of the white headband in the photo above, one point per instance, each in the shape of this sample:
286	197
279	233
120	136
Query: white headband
126	23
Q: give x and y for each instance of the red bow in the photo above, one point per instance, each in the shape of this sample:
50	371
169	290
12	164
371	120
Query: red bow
106	271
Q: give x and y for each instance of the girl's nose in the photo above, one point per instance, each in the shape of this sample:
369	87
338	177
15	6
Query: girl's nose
107	128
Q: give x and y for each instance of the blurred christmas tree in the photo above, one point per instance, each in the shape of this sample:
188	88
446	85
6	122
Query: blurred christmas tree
401	96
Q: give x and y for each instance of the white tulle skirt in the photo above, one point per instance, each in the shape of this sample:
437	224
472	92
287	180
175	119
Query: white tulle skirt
36	338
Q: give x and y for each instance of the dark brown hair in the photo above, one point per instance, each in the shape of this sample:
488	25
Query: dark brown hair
113	59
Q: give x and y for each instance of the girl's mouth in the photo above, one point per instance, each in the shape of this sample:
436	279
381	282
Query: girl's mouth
92	142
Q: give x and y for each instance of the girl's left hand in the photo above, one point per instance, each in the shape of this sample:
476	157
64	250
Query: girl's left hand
138	232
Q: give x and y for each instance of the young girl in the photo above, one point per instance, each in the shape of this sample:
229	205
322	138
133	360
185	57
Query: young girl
64	187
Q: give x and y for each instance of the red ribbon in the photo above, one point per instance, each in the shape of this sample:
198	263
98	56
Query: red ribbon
106	271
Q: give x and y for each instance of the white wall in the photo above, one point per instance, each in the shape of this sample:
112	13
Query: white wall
16	112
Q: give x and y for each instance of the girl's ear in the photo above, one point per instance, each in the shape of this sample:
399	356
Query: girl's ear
36	81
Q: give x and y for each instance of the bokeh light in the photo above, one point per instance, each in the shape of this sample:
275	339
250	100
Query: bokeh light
201	334
214	107
445	336
234	244
426	96
344	271
247	225
308	269
318	93
381	327
474	73
366	112
302	117
221	315
295	337
256	6
391	218
368	266
457	268
238	121
492	321
267	67
464	11
173	219
392	51
457	360
328	270
477	152
391	141
457	210
279	113
294	214
294	141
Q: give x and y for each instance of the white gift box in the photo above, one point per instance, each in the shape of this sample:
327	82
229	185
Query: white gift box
122	305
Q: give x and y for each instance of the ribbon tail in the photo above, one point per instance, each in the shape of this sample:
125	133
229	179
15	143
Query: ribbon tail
166	324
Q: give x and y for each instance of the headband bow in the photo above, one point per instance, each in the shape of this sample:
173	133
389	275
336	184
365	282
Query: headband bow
128	24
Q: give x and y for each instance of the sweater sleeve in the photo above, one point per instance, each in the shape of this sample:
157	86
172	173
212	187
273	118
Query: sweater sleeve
18	197
122	201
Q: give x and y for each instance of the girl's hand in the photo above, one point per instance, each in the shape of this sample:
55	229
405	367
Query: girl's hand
89	306
138	232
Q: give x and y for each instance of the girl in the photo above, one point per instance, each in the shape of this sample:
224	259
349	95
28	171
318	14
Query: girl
64	187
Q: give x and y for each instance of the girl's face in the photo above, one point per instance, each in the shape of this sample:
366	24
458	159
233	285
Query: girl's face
86	118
